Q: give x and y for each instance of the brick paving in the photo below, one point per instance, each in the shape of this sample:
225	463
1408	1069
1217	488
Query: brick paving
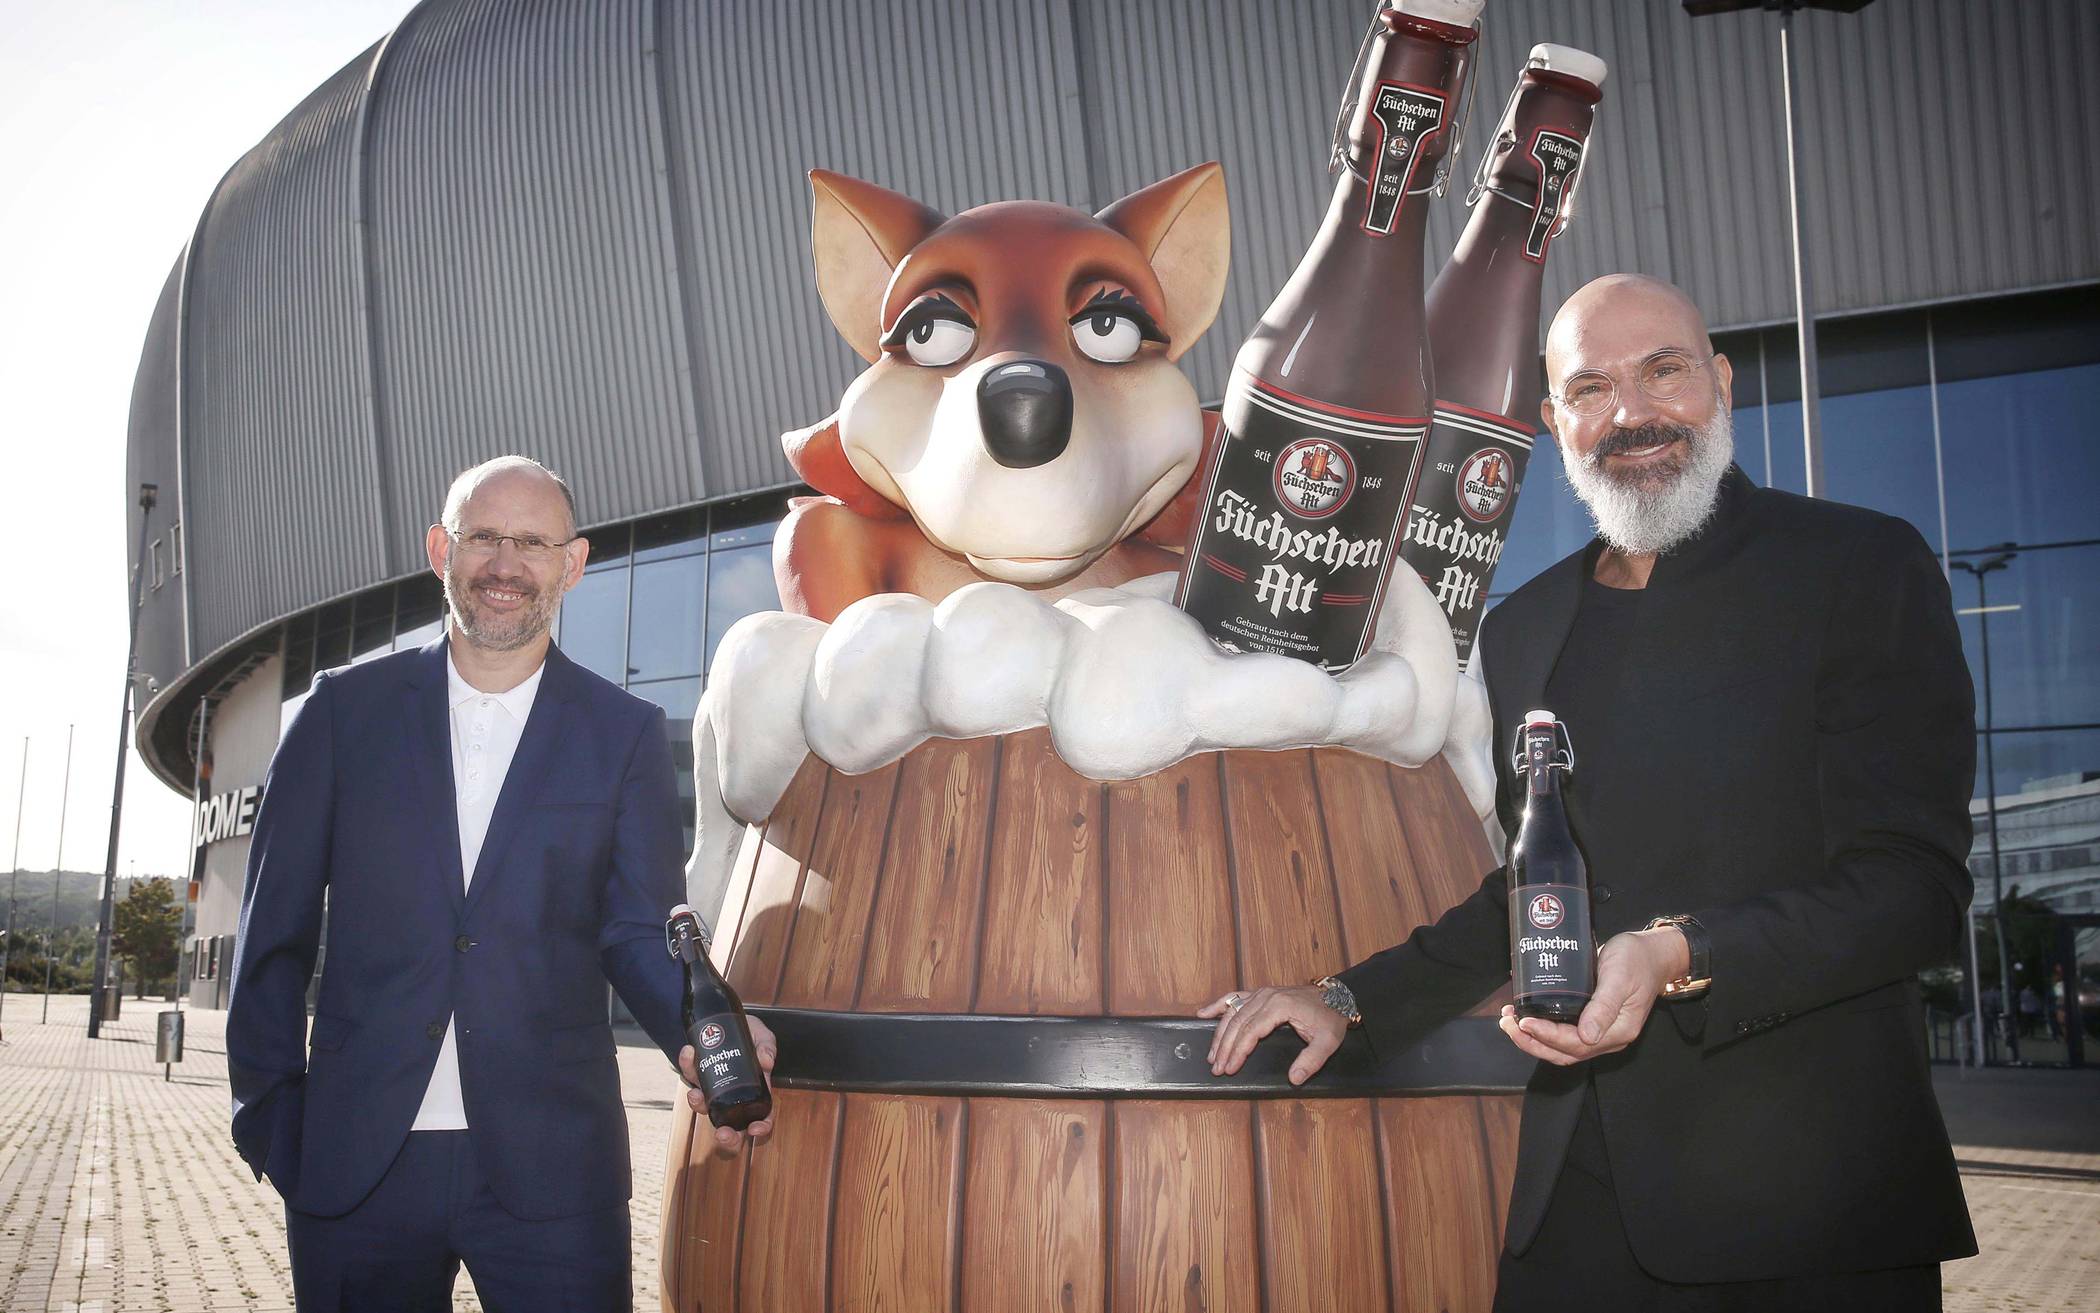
121	1193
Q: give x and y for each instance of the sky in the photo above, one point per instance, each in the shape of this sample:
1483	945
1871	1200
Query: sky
116	121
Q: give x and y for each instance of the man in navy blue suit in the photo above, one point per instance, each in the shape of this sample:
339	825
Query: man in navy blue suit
495	833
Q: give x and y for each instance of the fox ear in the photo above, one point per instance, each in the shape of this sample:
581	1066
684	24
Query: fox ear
818	456
858	233
1182	226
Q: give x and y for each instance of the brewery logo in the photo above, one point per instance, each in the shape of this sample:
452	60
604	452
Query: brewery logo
1559	160
1402	118
711	1035
1484	480
1314	477
1546	911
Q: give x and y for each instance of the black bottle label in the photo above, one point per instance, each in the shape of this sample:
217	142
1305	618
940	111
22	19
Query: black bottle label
1559	159
1402	117
722	1054
1473	469
1553	939
1295	544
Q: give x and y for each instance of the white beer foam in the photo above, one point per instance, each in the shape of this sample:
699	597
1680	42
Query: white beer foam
1567	59
1458	13
1127	683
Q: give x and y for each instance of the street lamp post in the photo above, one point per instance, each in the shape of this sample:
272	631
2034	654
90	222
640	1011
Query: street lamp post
58	871
1804	296
149	495
2006	1002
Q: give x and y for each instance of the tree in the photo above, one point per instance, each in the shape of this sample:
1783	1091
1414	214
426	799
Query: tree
148	926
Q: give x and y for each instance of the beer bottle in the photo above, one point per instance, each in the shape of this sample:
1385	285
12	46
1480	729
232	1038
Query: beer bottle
1484	333
715	1025
1328	403
1553	956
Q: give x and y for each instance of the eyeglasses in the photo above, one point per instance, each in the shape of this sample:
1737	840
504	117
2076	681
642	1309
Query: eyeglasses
1664	376
482	543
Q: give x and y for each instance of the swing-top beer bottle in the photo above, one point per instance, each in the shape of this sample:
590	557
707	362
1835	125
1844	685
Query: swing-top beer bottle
1329	399
715	1025
1484	332
1553	955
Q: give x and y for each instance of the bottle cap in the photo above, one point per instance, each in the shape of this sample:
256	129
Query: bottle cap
683	909
1569	61
1540	718
1458	13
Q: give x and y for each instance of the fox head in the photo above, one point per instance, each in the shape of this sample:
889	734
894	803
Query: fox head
1021	401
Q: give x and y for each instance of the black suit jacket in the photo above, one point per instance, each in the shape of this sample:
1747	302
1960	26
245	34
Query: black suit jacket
1797	777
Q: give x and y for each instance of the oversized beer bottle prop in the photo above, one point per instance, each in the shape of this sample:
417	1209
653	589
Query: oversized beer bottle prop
1553	956
1484	332
1328	403
715	1025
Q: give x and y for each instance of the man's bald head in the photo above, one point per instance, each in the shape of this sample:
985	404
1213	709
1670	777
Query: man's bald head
503	467
1619	319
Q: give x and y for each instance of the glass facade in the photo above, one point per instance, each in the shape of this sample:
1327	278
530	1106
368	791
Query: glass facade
1980	424
654	601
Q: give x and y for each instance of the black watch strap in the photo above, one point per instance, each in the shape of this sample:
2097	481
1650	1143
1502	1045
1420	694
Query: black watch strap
1700	976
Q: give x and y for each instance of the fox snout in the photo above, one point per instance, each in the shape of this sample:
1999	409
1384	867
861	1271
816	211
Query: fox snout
1025	410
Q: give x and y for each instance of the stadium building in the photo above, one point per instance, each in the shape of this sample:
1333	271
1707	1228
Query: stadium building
581	231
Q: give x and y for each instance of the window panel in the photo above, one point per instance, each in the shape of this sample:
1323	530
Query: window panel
2048	814
373	634
679	533
2023	457
419	600
609	547
594	624
748	521
680	699
669	616
740	582
2045	656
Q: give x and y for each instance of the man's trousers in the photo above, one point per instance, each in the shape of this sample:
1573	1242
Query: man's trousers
400	1250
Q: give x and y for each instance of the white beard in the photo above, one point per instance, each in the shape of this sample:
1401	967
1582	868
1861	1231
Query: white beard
1651	511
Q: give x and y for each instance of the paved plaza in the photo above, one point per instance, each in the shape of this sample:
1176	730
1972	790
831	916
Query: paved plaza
121	1193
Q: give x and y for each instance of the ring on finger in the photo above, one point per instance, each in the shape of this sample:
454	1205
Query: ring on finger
1234	1001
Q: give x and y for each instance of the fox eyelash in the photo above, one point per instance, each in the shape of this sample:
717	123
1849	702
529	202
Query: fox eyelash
937	306
1123	303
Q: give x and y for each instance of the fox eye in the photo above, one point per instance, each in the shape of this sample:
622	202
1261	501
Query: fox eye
1108	336
1113	327
935	333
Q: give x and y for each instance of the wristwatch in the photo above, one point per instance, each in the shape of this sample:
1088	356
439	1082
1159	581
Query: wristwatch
1699	978
1340	997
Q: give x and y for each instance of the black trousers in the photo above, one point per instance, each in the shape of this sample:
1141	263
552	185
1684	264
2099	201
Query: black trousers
1580	1260
400	1250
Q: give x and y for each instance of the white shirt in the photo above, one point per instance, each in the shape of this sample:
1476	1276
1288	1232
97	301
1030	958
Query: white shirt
486	728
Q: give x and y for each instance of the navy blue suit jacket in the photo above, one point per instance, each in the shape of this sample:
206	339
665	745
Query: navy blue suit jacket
582	863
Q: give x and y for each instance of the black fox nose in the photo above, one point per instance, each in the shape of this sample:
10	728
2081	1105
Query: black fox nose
1025	407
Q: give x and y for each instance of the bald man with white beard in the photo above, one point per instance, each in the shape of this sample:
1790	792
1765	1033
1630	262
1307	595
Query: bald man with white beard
1776	737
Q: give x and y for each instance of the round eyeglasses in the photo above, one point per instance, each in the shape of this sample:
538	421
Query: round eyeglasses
1664	376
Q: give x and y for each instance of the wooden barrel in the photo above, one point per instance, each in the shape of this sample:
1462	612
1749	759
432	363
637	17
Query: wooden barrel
985	876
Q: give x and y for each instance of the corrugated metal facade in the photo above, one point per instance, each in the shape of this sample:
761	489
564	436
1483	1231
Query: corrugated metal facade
580	230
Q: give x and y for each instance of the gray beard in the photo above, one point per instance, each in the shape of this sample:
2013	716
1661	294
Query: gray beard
1648	512
498	633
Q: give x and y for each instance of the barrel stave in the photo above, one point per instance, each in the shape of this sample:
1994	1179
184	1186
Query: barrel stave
1184	1232
1035	1193
896	1223
1322	1212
